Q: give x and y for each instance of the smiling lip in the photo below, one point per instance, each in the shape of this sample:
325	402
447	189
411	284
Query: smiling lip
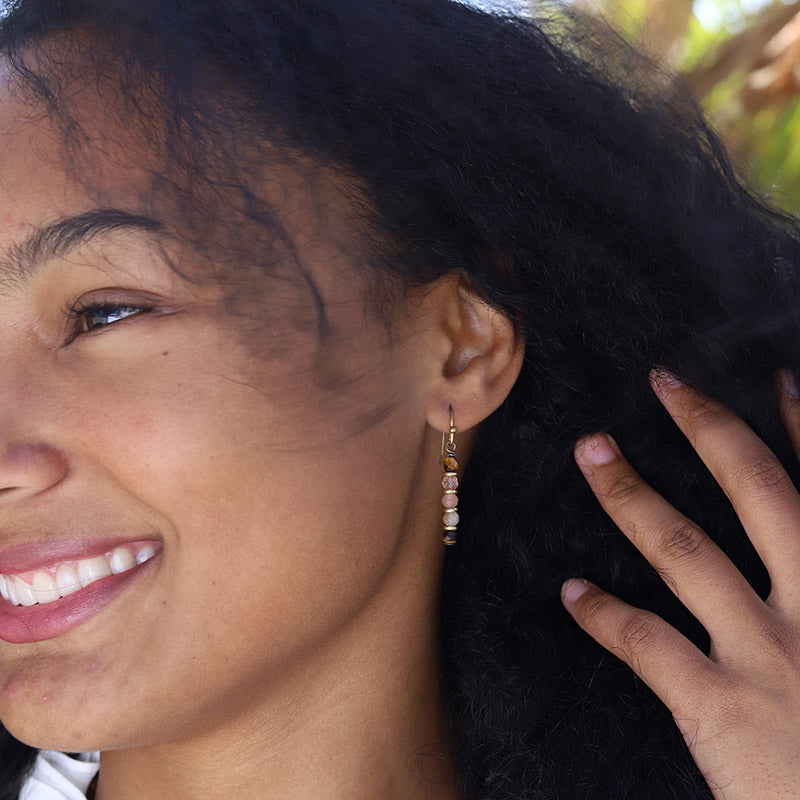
34	623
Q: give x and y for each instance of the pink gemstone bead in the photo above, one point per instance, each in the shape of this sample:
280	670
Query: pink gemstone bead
450	482
450	518
450	501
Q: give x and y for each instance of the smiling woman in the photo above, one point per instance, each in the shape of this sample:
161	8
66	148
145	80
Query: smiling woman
289	292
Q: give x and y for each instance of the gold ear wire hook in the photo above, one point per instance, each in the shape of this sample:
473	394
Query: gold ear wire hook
449	439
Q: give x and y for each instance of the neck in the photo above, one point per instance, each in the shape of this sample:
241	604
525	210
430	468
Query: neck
363	718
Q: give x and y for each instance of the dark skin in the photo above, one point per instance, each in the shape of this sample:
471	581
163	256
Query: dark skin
737	707
290	482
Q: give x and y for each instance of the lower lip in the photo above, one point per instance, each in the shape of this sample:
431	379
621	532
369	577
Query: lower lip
24	624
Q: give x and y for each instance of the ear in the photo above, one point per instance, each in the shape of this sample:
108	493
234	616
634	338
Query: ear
480	358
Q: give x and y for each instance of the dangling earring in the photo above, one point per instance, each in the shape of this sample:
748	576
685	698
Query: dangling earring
450	483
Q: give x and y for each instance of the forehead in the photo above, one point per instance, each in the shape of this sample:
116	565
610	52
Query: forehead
48	171
108	156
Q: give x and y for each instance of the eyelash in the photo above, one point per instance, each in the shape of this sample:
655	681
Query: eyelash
81	315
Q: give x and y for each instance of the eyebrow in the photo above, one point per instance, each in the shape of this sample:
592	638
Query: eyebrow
23	259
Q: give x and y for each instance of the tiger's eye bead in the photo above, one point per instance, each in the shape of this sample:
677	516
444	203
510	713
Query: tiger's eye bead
450	464
450	482
450	500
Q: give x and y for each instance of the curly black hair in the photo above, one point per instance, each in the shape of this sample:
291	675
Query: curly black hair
573	186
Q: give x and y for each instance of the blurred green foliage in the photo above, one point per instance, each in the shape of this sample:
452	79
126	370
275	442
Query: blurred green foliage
765	140
719	46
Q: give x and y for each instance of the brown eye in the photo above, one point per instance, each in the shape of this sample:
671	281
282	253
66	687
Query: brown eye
100	316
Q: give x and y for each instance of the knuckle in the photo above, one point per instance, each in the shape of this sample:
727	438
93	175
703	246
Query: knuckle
702	413
594	607
763	476
622	487
682	540
637	632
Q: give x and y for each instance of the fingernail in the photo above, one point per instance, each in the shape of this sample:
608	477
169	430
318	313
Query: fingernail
789	384
661	378
597	450
573	589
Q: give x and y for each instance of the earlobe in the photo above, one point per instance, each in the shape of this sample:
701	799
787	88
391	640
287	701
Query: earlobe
483	362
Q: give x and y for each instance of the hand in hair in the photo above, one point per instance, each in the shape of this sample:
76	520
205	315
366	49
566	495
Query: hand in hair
738	707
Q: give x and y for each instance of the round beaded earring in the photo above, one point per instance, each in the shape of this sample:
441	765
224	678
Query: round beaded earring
450	483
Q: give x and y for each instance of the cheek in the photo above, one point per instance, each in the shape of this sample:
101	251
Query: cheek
280	508
281	504
294	531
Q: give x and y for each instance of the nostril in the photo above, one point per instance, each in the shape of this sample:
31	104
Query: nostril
30	468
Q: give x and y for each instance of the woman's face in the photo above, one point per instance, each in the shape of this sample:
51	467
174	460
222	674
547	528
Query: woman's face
265	467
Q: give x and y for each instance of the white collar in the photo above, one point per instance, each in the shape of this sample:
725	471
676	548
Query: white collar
57	776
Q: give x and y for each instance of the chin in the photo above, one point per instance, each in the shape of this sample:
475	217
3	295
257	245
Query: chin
49	723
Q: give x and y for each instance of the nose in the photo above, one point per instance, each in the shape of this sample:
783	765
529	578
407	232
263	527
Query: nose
31	462
28	469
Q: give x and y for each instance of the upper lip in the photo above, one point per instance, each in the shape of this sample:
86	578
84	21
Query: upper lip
48	551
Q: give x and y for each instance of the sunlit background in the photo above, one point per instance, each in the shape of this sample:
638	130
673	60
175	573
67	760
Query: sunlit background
713	14
741	58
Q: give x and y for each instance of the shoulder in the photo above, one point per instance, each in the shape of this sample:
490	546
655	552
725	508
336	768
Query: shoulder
57	776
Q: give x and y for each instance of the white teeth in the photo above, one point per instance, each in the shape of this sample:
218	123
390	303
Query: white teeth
24	593
92	569
48	584
11	593
44	588
66	579
121	560
147	552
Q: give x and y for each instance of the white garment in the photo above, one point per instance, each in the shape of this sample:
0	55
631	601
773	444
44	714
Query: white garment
57	776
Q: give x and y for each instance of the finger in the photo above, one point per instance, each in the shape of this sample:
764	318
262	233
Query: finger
664	659
696	570
748	472
790	407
